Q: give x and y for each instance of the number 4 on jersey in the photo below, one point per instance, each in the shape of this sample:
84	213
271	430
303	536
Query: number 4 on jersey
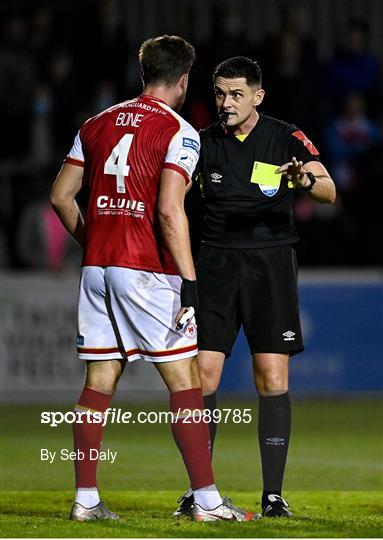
117	162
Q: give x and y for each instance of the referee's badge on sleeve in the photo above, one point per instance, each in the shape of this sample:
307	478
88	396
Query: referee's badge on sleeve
306	141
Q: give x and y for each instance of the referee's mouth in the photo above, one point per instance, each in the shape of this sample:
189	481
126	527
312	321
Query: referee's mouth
225	115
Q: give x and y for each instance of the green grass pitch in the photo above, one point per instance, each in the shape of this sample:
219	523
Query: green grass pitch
334	477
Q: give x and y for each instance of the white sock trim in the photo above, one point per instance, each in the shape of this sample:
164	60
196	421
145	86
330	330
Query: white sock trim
208	497
87	497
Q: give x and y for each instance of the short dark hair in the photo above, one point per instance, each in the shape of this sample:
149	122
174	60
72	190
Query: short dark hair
165	59
239	66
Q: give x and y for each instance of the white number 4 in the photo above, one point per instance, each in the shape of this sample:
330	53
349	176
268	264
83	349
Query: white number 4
117	162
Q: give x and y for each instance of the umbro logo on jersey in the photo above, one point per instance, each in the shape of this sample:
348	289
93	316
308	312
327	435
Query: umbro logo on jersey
275	441
289	336
216	177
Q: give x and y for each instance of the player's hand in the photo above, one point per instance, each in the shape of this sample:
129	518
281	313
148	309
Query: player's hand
294	172
184	316
189	303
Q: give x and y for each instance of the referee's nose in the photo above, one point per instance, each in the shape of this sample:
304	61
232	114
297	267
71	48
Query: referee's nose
226	103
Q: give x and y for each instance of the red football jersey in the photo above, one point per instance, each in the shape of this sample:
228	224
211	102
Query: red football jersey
123	151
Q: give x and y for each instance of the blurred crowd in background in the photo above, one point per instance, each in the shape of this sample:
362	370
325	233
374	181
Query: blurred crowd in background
62	62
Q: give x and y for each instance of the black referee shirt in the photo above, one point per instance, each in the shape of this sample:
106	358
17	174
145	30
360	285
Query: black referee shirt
240	208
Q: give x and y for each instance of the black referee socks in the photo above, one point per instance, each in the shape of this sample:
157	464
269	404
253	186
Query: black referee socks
274	425
210	402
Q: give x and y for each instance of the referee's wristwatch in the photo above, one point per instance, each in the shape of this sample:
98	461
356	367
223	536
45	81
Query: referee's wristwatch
312	179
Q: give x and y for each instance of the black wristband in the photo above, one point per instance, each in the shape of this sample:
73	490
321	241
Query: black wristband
189	294
312	179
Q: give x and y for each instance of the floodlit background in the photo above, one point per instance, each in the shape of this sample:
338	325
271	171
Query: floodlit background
64	61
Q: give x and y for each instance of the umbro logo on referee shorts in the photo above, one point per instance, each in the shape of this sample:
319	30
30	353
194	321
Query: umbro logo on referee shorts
288	336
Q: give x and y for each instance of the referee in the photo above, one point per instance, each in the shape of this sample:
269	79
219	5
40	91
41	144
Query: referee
250	167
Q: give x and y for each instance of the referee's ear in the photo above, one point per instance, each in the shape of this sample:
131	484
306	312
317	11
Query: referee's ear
258	96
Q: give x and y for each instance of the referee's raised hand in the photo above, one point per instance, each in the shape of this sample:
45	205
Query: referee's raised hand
295	173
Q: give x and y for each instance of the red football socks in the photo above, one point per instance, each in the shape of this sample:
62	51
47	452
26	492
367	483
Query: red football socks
191	435
88	435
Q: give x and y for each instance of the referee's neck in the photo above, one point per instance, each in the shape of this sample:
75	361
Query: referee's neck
248	125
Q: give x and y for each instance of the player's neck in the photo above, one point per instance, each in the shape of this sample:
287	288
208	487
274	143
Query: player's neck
164	93
247	126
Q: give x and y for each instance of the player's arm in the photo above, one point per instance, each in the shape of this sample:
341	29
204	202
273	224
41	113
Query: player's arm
174	223
322	190
65	188
175	231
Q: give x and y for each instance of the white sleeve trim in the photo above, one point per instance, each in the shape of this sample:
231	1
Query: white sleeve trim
184	148
76	150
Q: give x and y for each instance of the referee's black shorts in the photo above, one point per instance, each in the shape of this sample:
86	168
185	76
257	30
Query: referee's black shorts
253	287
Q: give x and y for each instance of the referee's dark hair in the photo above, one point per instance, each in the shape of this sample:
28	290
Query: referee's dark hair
237	67
165	59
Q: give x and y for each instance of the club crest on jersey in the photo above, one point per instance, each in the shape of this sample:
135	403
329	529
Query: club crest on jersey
269	191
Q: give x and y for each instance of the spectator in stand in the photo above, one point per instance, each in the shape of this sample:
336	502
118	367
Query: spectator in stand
291	70
347	137
353	68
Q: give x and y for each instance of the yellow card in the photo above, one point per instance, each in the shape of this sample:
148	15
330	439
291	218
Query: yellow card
264	173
